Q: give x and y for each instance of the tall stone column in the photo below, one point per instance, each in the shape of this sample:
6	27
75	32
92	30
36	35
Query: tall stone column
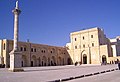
15	54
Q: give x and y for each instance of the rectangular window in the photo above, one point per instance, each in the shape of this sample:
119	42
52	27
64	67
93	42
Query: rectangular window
75	39
83	37
31	49
4	46
75	47
92	44
83	45
91	36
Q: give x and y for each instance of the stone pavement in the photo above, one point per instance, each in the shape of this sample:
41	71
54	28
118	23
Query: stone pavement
53	73
105	77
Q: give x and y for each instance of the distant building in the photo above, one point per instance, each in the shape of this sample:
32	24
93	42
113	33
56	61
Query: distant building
115	44
34	54
89	46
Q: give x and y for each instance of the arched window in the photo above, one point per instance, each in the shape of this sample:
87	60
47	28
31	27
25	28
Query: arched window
44	51
35	50
51	52
24	48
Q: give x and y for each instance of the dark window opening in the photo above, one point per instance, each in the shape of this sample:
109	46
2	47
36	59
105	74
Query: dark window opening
92	44
75	47
31	49
31	63
51	51
21	49
83	37
84	46
4	46
24	49
44	51
75	39
34	50
91	36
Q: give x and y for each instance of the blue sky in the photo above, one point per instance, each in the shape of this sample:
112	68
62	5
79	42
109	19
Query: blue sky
51	21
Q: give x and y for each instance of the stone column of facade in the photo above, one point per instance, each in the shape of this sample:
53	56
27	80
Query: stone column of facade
15	54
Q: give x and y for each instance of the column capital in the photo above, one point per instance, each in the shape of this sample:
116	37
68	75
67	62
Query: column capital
16	11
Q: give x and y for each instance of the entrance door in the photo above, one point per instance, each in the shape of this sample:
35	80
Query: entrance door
84	59
104	61
69	61
22	63
31	63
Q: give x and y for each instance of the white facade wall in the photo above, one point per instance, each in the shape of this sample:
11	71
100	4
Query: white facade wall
114	50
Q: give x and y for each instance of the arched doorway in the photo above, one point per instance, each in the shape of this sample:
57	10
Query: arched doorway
104	60
44	61
34	61
24	61
63	61
69	61
59	61
39	62
53	62
48	61
84	59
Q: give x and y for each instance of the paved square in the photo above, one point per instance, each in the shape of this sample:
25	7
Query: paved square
45	74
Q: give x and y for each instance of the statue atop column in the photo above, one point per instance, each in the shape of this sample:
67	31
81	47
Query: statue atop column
15	54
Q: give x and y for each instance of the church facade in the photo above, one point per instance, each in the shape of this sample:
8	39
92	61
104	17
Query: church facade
89	46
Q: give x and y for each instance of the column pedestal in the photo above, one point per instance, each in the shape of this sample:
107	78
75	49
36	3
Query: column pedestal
15	61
